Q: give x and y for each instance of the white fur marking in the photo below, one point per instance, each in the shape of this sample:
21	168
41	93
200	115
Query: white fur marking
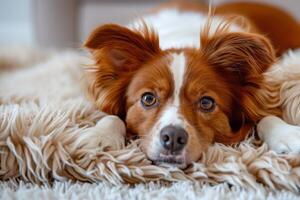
171	115
280	136
178	29
178	71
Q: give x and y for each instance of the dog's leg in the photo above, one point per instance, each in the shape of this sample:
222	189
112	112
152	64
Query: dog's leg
109	132
280	136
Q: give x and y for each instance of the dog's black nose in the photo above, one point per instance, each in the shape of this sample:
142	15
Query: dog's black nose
173	138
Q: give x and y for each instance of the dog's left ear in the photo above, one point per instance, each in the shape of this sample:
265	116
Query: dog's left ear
121	47
241	59
118	53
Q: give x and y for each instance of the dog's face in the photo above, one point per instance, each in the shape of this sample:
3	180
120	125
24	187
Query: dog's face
179	101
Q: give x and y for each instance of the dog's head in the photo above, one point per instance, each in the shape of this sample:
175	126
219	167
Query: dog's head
179	101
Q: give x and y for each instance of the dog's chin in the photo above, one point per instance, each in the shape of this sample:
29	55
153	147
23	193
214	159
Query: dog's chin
170	164
163	160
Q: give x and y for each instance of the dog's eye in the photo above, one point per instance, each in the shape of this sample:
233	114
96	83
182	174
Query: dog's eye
148	99
207	104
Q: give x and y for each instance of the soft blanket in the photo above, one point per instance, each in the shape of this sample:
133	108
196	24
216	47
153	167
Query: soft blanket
50	132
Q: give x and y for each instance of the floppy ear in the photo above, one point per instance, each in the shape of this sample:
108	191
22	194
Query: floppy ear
242	56
118	52
241	59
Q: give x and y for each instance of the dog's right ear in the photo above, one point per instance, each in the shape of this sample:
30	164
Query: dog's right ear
118	52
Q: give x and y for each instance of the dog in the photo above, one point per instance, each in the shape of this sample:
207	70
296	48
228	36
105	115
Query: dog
183	77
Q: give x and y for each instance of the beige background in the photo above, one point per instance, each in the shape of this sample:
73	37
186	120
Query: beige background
66	23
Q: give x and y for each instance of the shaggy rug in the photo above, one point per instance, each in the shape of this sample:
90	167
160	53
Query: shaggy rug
148	191
51	136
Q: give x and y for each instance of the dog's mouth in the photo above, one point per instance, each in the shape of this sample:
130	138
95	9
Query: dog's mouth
170	160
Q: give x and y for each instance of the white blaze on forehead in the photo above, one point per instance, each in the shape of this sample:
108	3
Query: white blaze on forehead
178	70
171	113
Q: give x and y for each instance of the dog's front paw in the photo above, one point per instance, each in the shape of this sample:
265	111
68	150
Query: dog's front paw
109	133
112	131
280	136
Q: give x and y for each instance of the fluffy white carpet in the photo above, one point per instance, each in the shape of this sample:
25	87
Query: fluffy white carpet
50	132
175	191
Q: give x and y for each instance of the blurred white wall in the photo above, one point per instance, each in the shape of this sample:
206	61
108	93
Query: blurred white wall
55	22
93	13
16	22
66	23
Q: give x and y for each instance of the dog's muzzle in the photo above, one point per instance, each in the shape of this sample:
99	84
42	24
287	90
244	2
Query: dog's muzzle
173	139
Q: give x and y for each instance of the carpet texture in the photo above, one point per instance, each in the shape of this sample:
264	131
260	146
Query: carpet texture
50	132
148	191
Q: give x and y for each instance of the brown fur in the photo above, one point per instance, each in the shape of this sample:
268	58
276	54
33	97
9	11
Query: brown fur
281	28
228	67
239	59
114	47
